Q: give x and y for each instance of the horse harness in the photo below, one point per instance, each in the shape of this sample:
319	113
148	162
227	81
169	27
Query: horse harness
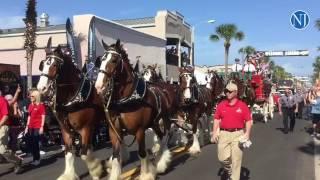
137	96
194	88
77	101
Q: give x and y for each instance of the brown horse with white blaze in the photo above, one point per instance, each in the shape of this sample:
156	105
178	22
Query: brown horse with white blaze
60	81
151	75
216	84
194	110
131	109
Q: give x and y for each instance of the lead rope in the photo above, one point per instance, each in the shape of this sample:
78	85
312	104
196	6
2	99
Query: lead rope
54	100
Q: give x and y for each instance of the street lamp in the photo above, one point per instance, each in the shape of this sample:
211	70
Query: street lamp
210	21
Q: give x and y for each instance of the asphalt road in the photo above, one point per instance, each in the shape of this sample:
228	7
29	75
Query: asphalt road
273	156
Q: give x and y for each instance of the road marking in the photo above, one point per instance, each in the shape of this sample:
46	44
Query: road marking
317	158
132	172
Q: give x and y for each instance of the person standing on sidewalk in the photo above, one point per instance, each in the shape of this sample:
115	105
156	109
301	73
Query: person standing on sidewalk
232	123
288	106
14	118
307	105
4	134
237	68
35	124
314	99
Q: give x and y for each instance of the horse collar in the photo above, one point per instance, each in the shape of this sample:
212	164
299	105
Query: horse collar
137	94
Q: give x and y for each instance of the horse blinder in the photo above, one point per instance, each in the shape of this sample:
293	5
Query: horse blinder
97	63
41	65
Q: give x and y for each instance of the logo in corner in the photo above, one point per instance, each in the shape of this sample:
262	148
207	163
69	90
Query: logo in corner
299	19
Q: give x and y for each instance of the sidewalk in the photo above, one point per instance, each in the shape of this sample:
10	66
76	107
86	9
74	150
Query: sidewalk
6	168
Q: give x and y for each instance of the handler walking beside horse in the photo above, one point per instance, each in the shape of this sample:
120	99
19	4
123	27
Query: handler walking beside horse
232	124
288	106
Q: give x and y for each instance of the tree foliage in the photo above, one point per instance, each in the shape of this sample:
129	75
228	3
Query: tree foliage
246	51
316	69
316	64
31	25
30	36
227	32
318	24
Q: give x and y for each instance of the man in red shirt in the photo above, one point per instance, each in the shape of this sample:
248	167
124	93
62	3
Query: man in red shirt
232	123
4	134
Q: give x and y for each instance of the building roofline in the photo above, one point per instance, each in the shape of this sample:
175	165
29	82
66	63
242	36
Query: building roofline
38	33
202	66
14	31
121	25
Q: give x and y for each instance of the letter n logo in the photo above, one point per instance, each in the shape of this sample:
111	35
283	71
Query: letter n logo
299	19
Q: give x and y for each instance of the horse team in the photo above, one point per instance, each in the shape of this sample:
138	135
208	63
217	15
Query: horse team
129	102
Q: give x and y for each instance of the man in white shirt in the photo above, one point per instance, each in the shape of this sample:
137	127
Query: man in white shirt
249	68
236	68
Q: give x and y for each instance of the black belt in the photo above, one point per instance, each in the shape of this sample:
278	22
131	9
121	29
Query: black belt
288	107
231	129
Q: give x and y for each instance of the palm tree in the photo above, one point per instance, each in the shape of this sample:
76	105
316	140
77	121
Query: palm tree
318	27
30	37
279	73
227	32
318	24
316	68
246	51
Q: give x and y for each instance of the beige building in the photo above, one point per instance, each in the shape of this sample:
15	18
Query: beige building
166	25
12	43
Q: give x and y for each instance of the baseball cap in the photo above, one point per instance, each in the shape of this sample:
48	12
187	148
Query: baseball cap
231	87
8	97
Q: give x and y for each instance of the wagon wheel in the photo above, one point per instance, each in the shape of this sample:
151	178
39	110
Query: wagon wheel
203	130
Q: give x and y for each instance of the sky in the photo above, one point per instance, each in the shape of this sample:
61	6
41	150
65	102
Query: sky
266	24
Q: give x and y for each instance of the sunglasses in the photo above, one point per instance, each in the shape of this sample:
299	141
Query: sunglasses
227	91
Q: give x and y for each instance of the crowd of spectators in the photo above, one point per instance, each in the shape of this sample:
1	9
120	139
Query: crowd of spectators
16	115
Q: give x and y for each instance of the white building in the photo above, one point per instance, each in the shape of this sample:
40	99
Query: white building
165	29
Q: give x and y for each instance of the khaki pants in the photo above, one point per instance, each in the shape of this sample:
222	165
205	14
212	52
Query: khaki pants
229	153
4	132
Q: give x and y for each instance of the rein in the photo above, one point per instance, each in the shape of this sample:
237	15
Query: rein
107	113
66	84
108	95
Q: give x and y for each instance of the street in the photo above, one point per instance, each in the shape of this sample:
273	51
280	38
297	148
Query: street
273	155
